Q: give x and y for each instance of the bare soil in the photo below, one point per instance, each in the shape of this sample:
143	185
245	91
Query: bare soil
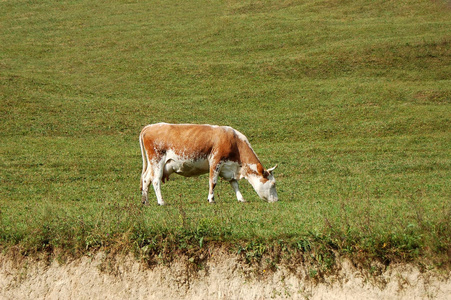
223	276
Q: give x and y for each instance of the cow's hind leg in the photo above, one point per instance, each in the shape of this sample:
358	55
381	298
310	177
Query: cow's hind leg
153	174
236	189
146	172
157	178
145	181
157	187
214	174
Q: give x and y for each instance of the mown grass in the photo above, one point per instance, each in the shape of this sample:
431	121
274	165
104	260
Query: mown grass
350	98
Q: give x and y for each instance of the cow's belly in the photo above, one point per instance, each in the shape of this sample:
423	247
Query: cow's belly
186	167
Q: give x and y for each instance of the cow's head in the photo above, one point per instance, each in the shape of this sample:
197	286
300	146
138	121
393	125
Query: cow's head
265	186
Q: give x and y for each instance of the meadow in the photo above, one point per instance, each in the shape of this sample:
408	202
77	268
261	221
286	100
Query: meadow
350	98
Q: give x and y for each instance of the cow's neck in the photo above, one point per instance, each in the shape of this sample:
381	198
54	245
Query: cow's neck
250	163
252	169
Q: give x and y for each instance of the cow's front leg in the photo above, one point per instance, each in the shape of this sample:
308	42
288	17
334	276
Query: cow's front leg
236	189
214	174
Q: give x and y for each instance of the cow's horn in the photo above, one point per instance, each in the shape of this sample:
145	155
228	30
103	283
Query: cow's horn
272	169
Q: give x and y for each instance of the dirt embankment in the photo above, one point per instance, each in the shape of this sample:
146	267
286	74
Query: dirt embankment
222	277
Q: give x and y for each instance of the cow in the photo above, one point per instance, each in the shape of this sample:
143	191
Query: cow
192	150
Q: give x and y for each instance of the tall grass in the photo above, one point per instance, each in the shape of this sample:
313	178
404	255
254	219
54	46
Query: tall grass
350	98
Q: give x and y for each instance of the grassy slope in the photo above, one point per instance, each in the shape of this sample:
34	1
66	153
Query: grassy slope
351	98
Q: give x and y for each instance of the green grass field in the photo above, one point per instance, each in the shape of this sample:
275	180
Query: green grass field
351	98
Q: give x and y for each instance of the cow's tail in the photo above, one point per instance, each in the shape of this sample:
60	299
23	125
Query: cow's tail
144	157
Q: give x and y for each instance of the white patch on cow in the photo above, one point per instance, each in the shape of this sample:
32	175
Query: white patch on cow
253	167
184	165
230	170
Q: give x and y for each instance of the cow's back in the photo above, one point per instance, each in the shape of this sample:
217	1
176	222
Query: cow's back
189	139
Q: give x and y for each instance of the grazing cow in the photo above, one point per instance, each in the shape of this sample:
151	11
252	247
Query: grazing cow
192	150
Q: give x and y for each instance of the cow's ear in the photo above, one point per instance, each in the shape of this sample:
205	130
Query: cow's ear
272	169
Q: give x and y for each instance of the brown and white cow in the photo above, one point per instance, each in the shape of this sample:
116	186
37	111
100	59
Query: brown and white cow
192	150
